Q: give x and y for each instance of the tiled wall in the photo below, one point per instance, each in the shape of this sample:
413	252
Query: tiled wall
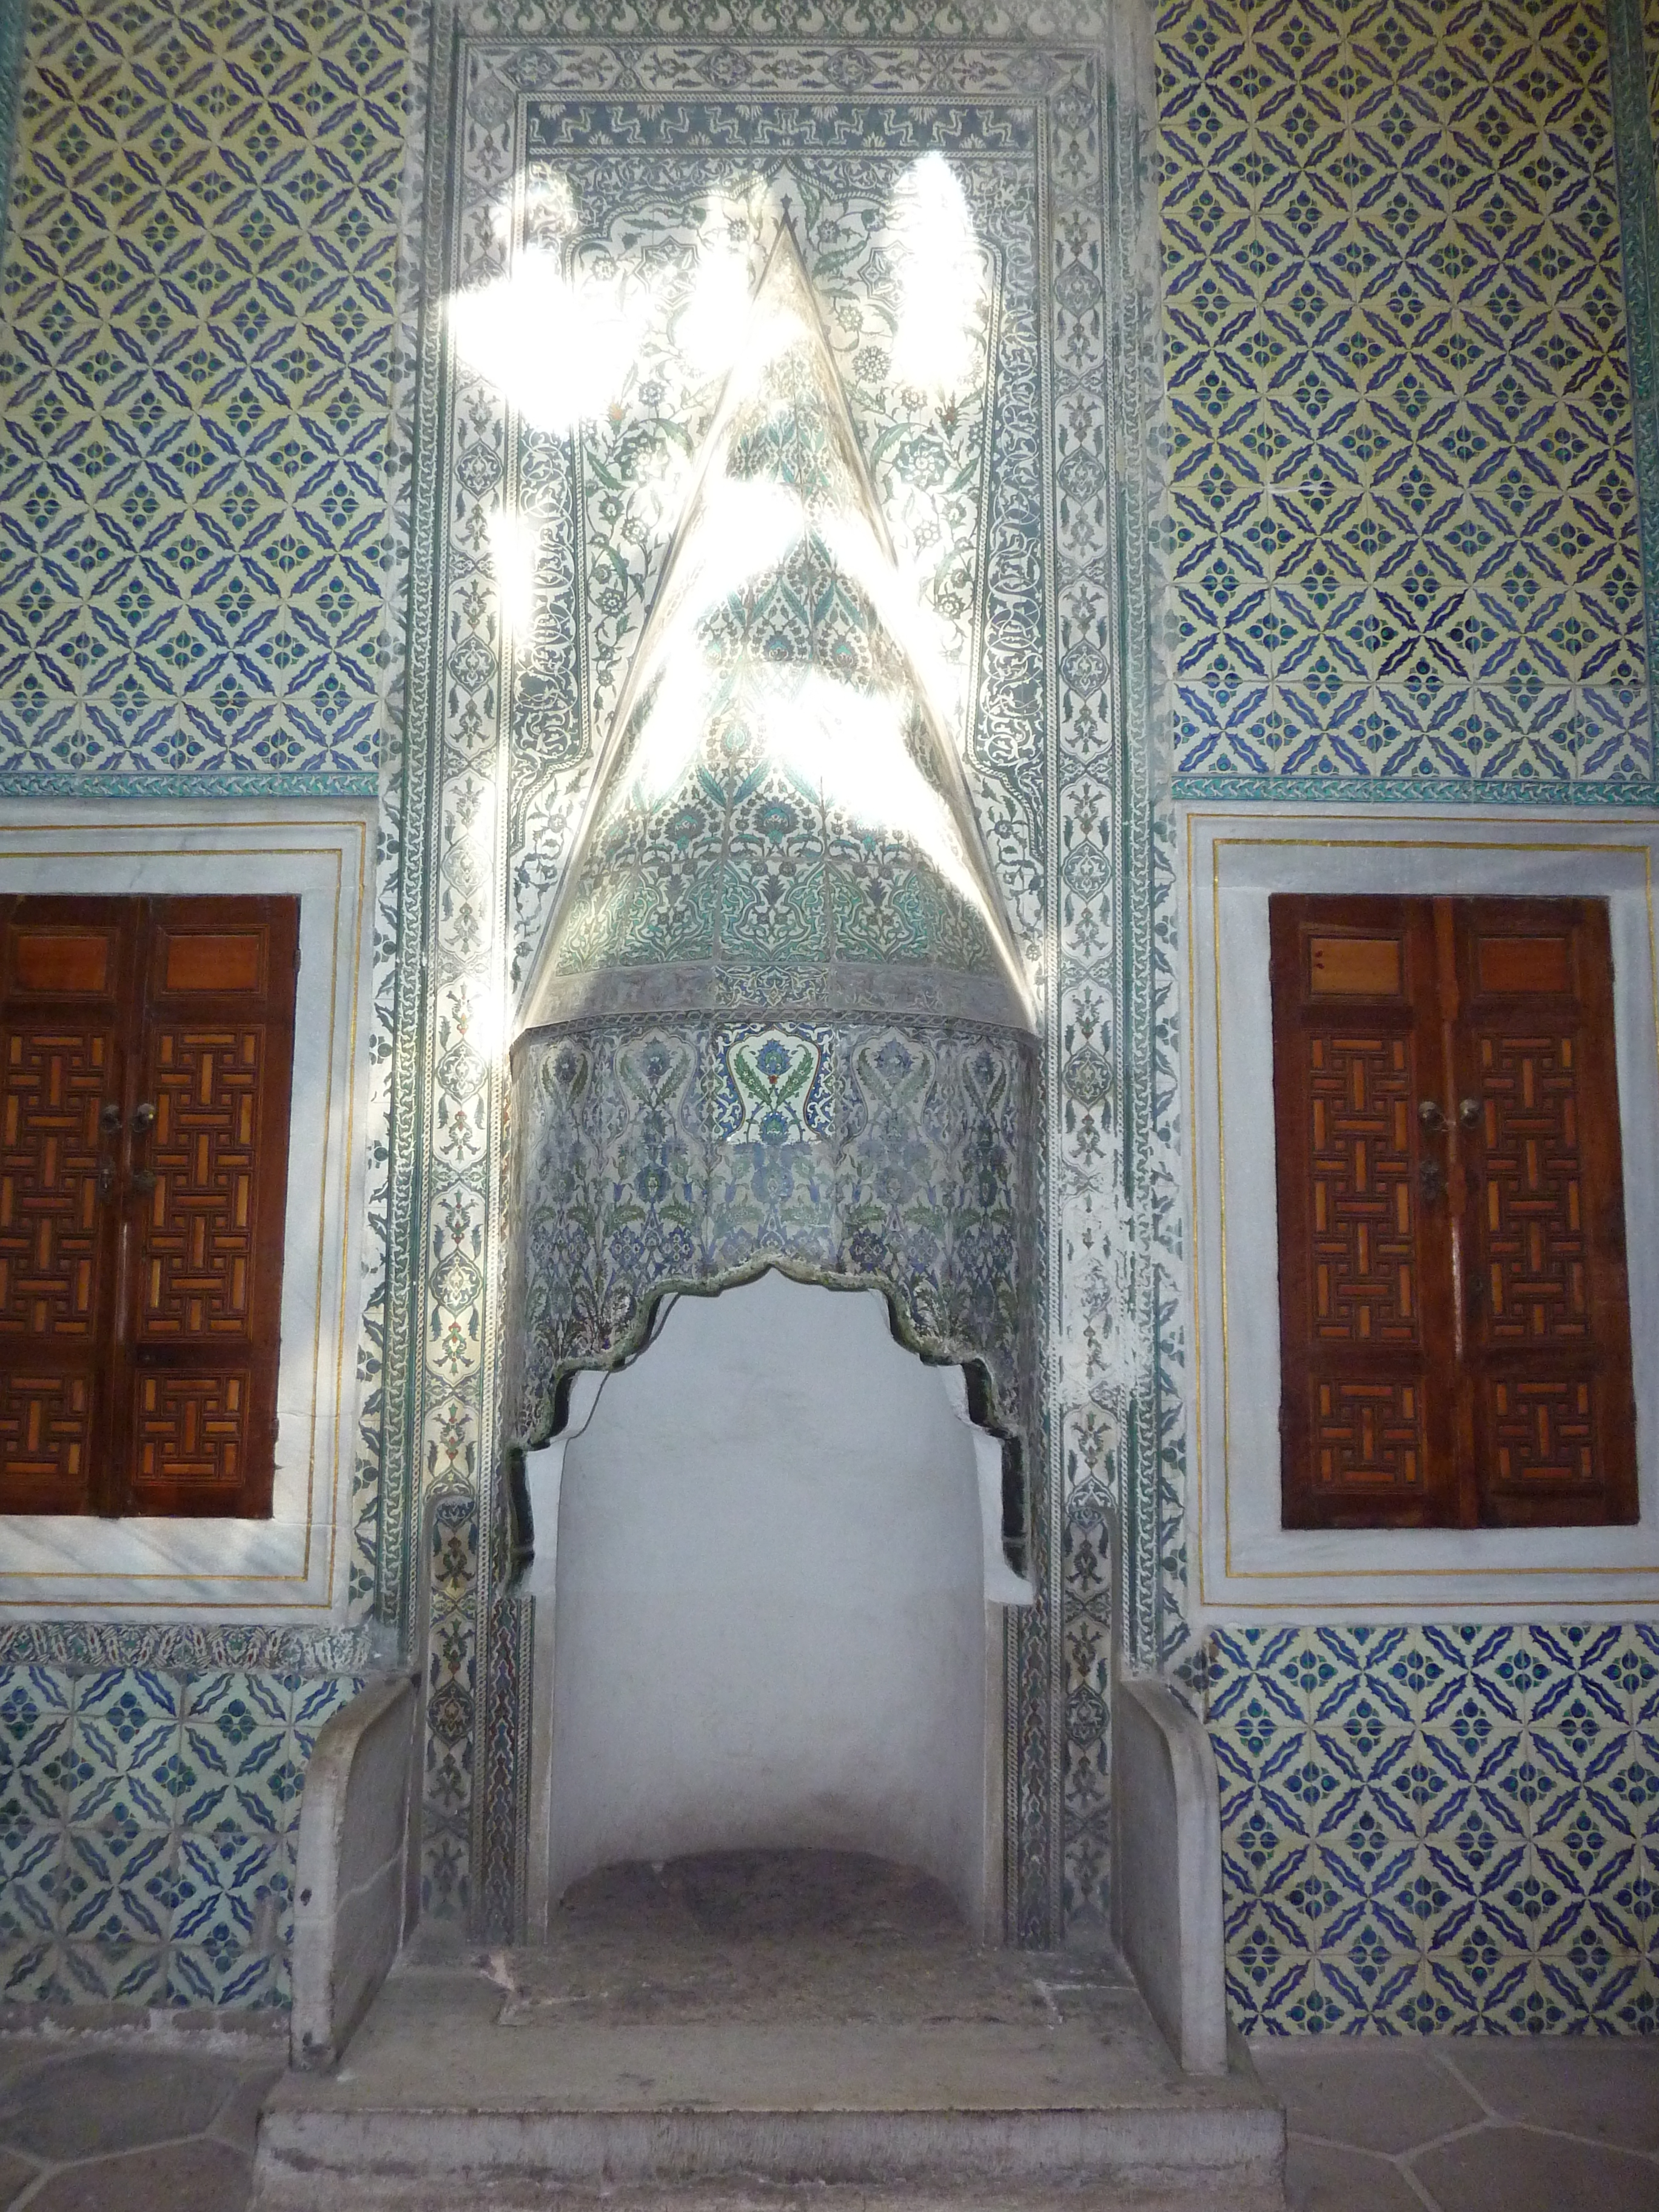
1405	561
195	527
1407	556
1406	538
1438	1829
147	1832
194	381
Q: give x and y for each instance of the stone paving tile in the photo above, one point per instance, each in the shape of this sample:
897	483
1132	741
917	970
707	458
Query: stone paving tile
1607	2089
1494	2123
1323	2178
1369	2095
186	2177
84	2104
15	2172
1503	2169
129	2126
238	2120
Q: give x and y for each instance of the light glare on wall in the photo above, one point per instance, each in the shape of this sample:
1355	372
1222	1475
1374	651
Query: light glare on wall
515	544
558	348
943	291
721	290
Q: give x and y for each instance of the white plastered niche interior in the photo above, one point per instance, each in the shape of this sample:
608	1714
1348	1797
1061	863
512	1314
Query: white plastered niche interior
293	1566
1249	1566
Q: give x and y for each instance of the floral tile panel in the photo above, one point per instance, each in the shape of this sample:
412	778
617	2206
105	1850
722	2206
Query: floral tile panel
1432	1829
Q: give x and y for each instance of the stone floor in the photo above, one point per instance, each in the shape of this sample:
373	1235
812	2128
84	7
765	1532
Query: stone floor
1459	2125
137	2123
1469	2125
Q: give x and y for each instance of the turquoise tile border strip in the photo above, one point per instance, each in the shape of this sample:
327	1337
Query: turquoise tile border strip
1416	790
27	784
191	1647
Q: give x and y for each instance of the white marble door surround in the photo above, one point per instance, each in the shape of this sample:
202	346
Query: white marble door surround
293	1566
1234	859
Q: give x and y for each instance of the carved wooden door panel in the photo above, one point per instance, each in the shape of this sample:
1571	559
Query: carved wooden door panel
1366	1412
143	1194
1455	1330
66	973
1550	1413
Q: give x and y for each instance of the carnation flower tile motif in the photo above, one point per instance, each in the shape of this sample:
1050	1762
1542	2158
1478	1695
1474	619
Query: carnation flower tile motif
1406	552
1432	1829
773	1093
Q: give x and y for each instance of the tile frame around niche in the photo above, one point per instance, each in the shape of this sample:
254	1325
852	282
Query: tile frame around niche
1247	1565
444	1176
294	1566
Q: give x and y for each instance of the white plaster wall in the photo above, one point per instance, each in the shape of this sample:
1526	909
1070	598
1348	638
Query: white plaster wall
771	1617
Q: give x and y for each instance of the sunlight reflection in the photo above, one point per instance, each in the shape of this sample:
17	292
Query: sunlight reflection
943	290
711	686
515	542
714	323
557	348
852	746
745	527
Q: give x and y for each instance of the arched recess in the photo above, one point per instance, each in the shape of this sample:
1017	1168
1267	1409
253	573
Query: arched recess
772	1612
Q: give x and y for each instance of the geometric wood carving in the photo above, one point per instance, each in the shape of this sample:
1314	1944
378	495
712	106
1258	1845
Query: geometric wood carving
146	1054
1365	1418
1454	1320
1547	1356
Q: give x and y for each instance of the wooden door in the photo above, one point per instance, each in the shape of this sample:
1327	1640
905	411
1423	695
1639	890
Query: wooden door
1366	1411
1549	1414
148	1053
67	974
1455	1329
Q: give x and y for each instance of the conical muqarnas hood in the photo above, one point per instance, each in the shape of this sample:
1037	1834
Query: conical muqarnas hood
779	817
777	1019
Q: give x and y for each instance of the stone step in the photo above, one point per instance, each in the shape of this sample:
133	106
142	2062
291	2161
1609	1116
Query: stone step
738	2032
776	2161
440	2104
